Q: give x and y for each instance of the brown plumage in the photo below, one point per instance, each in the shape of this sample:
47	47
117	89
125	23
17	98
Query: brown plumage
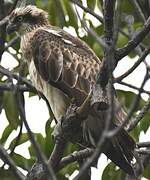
63	67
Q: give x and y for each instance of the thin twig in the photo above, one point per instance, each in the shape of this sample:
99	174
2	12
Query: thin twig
7	87
86	9
11	42
16	76
91	31
39	154
6	158
138	9
122	52
143	144
131	110
143	151
138	118
134	87
136	64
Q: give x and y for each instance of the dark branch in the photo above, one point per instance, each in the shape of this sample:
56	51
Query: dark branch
75	156
86	9
138	118
137	63
107	64
39	154
6	158
104	77
122	52
134	87
143	144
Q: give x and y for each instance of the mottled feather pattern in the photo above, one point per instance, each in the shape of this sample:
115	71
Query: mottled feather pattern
67	64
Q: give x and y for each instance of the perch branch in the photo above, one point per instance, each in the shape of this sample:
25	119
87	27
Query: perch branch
75	156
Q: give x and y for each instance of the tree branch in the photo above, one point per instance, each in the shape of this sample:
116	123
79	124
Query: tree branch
122	52
137	119
134	87
103	80
136	64
86	9
6	158
75	156
39	154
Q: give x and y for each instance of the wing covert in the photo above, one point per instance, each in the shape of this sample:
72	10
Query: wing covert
65	62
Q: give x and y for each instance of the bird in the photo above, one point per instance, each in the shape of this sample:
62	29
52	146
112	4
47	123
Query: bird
64	68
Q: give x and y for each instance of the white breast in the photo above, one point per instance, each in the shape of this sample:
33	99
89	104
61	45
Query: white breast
57	100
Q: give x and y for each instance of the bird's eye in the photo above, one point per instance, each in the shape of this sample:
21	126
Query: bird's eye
19	18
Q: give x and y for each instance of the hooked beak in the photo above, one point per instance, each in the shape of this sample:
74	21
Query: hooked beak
11	28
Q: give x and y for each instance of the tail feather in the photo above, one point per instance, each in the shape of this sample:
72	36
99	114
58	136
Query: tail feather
121	151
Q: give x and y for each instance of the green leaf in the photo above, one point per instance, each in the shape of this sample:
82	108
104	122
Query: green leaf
135	133
6	134
146	173
41	142
22	161
91	4
111	173
71	14
145	122
49	143
122	40
127	98
23	138
7	174
11	109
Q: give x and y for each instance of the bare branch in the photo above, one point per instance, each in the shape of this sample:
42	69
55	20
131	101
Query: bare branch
138	118
143	151
136	64
86	9
8	87
6	158
17	77
39	154
75	156
107	64
122	52
139	11
134	87
131	110
143	144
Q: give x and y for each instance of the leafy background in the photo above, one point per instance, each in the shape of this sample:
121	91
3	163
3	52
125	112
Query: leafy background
63	14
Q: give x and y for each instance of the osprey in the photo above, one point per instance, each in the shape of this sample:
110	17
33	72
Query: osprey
63	68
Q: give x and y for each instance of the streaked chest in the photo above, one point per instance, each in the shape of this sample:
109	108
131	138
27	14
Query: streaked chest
57	100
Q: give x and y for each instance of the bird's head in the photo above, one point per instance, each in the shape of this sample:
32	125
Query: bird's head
23	20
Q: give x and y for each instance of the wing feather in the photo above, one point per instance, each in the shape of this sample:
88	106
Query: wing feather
65	62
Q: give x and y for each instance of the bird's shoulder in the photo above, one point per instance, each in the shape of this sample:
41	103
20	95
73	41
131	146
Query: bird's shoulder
64	40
